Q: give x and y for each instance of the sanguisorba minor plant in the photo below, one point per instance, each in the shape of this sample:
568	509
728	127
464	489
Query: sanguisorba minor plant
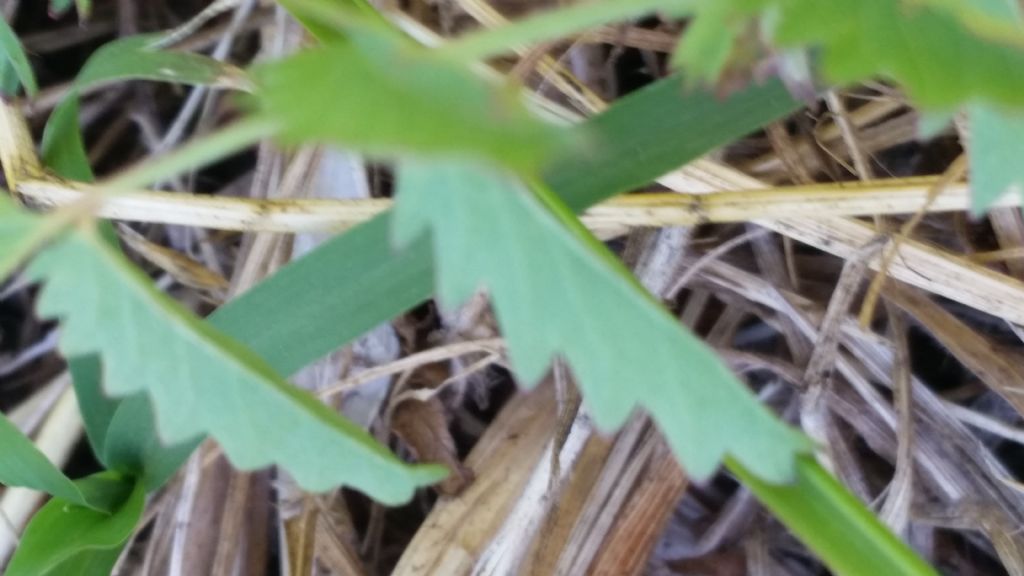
489	185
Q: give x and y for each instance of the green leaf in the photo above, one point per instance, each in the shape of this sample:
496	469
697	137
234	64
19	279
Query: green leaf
20	235
14	54
62	148
656	130
557	23
122	432
641	137
133	58
383	98
22	464
359	277
996	146
336	21
931	124
133	445
125	59
558	292
59	7
96	407
936	56
709	40
997	135
356	275
201	381
833	523
68	540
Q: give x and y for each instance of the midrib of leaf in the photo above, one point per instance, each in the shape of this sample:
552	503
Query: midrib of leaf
202	382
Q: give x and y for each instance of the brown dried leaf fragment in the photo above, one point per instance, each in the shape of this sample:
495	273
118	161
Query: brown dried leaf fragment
422	425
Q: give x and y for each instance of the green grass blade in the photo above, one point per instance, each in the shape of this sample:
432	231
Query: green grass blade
336	293
14	53
656	130
133	445
833	523
125	59
22	464
64	539
366	281
132	58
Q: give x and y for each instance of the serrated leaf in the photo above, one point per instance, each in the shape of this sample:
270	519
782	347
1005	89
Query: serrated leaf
202	382
937	57
384	98
645	134
13	53
558	292
68	540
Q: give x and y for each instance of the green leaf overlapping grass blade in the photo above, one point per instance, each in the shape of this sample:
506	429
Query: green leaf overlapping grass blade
558	292
201	381
639	138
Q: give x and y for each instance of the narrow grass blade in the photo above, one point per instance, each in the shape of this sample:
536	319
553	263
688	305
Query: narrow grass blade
14	54
833	523
65	539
